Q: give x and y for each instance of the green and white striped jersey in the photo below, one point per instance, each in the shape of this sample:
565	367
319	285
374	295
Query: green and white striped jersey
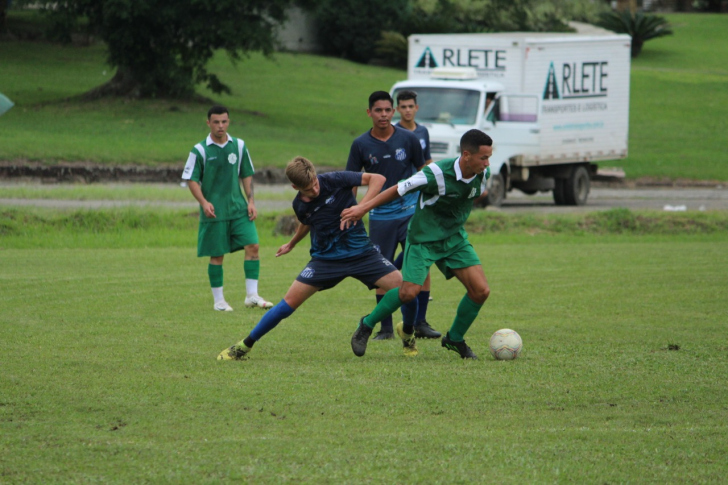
445	200
218	169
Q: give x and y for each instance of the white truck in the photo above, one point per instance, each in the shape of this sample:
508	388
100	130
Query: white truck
553	103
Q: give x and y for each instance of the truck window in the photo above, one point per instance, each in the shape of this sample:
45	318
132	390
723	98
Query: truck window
522	109
446	105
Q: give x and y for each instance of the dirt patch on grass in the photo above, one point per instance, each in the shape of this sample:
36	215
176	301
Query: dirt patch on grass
90	172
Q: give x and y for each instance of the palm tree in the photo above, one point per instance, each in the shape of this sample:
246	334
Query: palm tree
640	26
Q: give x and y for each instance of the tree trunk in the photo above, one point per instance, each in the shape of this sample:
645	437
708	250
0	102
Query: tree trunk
122	84
636	46
3	17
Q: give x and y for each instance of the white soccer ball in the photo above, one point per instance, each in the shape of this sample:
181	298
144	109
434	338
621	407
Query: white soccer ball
506	344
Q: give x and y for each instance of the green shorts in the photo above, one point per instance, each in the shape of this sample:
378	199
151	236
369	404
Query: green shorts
453	253
223	237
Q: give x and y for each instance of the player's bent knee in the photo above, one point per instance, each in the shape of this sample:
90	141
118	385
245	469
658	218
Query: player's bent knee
479	295
408	293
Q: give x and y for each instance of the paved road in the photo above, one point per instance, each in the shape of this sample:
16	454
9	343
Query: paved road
690	199
608	198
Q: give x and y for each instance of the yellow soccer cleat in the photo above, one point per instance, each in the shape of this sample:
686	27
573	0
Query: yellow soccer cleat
236	352
408	341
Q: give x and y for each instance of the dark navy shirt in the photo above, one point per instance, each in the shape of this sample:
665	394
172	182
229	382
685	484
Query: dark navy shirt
397	159
323	214
423	135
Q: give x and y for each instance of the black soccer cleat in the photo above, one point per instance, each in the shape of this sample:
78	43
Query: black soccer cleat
459	347
360	338
384	335
424	330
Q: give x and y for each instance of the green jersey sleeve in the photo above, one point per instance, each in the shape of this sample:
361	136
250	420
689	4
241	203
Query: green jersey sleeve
246	163
195	164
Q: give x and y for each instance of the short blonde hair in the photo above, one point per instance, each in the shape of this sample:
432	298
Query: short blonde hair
301	172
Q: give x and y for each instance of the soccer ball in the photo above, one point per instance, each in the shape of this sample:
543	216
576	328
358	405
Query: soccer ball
506	344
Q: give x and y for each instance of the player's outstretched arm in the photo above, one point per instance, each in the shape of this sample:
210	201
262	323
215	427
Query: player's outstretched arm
301	232
356	212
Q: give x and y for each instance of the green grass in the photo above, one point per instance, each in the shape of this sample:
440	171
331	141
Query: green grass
124	192
679	102
108	370
132	227
314	106
291	105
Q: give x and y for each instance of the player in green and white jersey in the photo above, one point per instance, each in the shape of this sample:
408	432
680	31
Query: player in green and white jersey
213	172
436	235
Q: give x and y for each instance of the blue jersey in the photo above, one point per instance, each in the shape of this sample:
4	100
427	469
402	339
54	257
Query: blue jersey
424	136
397	159
323	214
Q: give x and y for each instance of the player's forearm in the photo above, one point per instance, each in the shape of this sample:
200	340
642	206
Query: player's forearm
374	187
301	231
196	191
249	191
380	199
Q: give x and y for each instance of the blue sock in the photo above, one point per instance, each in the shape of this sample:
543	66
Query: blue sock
409	314
398	261
423	298
271	318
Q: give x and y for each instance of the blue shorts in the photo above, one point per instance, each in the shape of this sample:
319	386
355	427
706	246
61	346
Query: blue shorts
387	235
327	273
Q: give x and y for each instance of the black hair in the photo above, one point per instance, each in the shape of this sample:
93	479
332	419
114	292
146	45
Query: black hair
379	96
406	95
218	109
472	140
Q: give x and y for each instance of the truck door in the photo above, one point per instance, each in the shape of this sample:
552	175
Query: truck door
512	122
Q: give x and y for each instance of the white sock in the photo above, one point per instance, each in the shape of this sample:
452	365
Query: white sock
251	287
217	294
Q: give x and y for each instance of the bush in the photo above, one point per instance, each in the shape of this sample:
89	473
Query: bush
642	27
392	49
351	29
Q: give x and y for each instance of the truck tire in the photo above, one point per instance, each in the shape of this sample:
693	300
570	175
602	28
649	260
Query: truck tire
576	187
496	191
559	191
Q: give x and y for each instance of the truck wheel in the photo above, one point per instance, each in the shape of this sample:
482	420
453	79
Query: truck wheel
576	187
559	191
496	191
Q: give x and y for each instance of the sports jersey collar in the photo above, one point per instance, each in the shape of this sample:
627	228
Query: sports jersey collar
459	173
210	142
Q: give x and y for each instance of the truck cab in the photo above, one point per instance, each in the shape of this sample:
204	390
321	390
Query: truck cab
454	101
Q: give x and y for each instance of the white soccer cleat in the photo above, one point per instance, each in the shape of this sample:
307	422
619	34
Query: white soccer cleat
222	306
257	302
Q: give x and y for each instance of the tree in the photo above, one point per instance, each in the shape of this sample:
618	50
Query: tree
642	27
3	16
351	28
161	48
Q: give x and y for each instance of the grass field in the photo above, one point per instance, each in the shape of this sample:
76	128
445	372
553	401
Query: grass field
315	106
108	345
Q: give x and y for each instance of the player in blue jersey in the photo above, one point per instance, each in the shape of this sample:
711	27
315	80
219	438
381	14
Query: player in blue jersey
397	154
407	108
336	251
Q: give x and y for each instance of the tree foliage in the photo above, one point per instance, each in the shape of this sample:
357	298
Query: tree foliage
161	47
642	27
471	16
351	28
